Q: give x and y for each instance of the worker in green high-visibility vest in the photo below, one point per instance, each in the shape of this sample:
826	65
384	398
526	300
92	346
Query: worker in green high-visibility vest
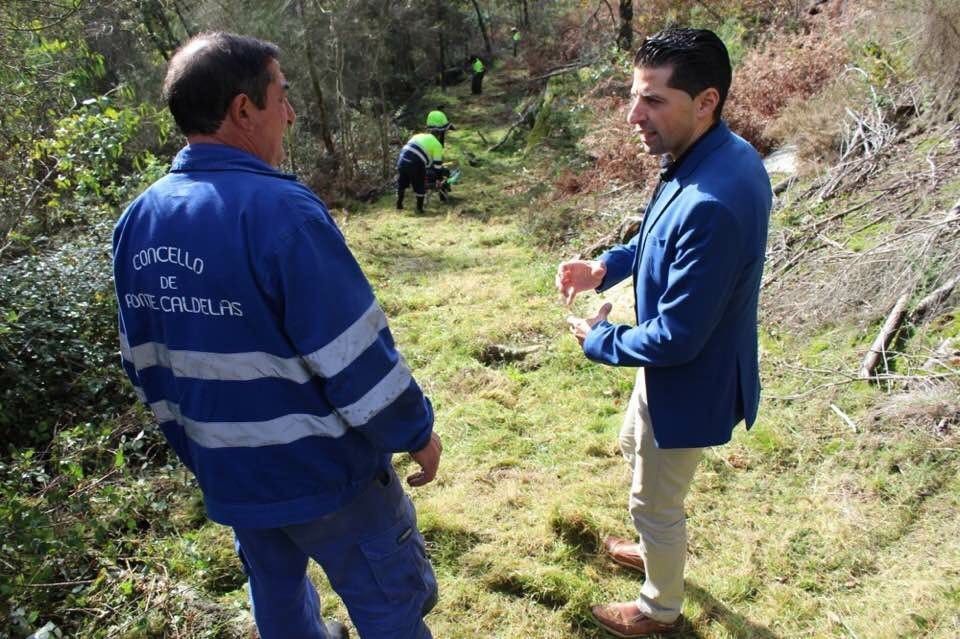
423	152
478	70
515	37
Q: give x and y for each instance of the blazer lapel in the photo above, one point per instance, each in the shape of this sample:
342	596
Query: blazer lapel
667	195
706	145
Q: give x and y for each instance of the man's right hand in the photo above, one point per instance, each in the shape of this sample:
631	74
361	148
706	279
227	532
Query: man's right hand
428	458
576	276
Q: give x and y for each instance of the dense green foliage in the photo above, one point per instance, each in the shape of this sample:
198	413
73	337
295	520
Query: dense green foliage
58	341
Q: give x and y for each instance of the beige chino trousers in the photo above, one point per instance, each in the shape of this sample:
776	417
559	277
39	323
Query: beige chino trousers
661	481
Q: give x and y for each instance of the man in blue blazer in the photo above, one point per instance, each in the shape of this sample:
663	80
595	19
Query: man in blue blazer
696	265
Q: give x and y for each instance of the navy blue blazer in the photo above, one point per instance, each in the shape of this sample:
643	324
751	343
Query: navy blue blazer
696	265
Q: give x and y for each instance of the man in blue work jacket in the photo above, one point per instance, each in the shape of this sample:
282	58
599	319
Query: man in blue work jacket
696	265
248	328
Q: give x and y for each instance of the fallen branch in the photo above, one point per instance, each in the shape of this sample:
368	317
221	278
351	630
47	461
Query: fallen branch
789	265
61	584
946	355
845	212
506	136
842	415
627	229
783	185
567	68
880	378
933	299
527	115
880	344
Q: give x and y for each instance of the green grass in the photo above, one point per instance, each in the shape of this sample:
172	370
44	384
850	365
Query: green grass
802	527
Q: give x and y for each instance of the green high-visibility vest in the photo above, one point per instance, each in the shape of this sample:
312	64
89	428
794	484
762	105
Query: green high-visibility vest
430	145
516	36
477	66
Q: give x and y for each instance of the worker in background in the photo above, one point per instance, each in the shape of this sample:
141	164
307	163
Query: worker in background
478	70
422	152
515	37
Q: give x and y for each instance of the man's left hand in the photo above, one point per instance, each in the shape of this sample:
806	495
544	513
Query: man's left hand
579	326
428	458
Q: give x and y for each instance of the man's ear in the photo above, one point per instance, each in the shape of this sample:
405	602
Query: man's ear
240	111
707	102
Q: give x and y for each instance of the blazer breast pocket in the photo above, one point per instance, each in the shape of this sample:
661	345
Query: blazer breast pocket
656	259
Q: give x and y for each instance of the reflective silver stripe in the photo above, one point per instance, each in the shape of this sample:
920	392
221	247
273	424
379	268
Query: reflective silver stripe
128	357
349	345
326	361
379	397
416	150
220	366
281	430
125	348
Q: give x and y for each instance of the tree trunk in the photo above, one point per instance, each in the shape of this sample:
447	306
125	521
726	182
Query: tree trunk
183	21
315	83
625	35
442	66
161	15
526	15
483	31
440	24
156	41
343	108
386	166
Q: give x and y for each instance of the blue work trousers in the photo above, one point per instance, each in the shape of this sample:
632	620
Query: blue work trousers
370	550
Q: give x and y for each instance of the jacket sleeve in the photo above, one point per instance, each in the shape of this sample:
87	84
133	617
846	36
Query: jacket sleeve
700	281
337	327
619	262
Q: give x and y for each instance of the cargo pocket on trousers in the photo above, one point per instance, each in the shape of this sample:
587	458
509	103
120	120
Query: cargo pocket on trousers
398	562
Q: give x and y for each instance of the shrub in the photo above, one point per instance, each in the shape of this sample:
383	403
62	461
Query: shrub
73	512
787	68
58	341
552	225
617	153
89	157
816	125
937	54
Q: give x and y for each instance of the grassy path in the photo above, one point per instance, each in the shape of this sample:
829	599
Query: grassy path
798	529
518	435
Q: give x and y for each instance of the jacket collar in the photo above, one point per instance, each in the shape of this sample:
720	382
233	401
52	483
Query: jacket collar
221	157
703	146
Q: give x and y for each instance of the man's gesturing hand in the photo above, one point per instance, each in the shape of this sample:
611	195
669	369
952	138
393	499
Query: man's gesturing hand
576	276
428	458
580	327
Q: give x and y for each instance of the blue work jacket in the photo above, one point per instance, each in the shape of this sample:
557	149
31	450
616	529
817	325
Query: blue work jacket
249	329
696	263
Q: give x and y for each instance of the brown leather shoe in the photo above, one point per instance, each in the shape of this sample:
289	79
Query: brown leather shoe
626	553
625	620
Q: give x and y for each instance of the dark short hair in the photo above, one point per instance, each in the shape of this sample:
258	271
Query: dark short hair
209	71
698	58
